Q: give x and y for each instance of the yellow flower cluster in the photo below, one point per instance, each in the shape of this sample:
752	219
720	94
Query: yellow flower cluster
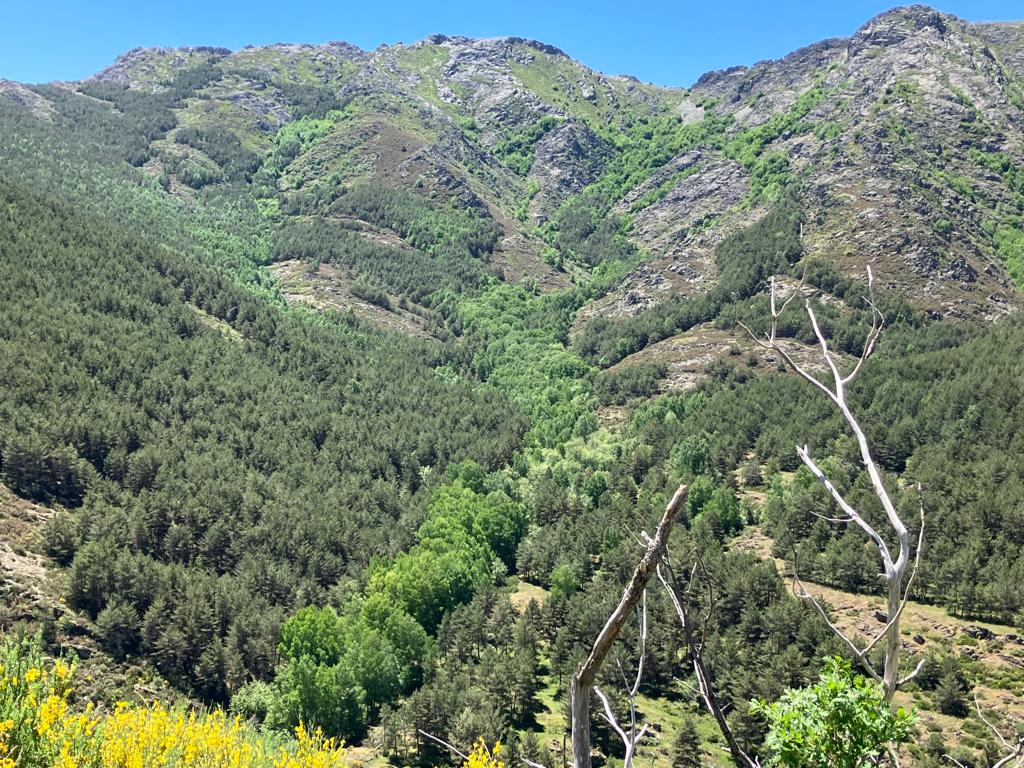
6	761
37	727
312	751
40	729
482	757
153	737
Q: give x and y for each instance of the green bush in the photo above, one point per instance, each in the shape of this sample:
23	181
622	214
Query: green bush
843	721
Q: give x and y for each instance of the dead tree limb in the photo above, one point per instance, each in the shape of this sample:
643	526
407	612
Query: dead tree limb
632	738
582	682
897	578
1015	752
695	648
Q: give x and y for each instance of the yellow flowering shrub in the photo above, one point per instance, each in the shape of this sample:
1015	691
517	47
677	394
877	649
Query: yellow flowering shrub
312	751
482	757
37	725
39	728
140	737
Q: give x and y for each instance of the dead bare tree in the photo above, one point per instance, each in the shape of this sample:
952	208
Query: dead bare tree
582	682
899	570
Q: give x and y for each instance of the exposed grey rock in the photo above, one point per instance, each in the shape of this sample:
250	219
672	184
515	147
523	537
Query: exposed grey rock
39	106
566	159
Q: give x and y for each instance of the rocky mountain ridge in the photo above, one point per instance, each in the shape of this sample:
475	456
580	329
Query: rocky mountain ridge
903	140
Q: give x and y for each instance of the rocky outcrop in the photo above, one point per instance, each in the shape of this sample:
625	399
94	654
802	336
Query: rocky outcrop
39	106
566	160
892	175
150	67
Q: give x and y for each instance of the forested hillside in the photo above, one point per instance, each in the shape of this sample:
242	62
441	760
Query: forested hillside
338	387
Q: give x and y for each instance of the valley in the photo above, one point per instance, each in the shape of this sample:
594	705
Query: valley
338	387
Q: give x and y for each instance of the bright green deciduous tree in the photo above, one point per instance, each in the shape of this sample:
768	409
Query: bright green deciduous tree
842	721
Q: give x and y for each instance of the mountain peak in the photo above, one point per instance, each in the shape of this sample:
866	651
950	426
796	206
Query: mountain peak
504	40
890	26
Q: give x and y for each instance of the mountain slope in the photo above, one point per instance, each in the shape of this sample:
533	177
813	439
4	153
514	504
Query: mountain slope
904	140
307	343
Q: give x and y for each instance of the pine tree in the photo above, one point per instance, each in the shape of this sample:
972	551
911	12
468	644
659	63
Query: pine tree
949	696
686	752
532	747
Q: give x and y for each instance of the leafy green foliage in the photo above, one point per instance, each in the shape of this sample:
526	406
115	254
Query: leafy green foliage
289	142
842	720
378	648
195	172
371	293
224	148
193	454
747	146
1010	244
686	752
138	117
640	380
352	663
449	250
518	342
516	150
949	696
405	271
661	191
432	229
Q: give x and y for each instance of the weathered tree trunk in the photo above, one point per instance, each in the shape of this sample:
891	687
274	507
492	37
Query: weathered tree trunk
891	672
582	682
898	578
579	708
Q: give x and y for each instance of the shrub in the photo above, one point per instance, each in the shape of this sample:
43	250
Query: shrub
843	720
39	728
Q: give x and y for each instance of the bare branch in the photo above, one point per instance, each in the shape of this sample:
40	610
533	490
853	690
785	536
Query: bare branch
1015	756
609	717
838	520
824	349
858	654
883	548
917	670
443	743
772	345
629	740
582	681
643	647
700	671
995	731
877	322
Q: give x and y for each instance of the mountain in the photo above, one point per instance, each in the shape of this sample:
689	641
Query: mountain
335	385
904	138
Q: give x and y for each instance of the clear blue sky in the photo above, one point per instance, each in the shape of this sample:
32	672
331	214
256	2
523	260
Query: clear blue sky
659	41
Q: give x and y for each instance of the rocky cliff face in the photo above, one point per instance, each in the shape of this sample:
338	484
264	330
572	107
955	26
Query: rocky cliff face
894	157
905	142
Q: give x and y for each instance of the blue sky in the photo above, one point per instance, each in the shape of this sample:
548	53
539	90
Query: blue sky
670	43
